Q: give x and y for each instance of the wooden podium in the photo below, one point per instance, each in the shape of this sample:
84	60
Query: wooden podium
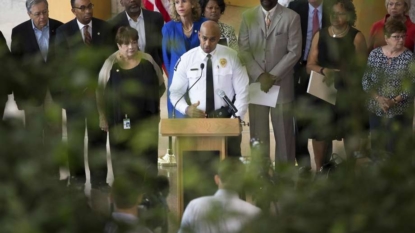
197	134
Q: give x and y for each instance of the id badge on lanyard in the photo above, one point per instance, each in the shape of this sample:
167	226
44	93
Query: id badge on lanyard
126	123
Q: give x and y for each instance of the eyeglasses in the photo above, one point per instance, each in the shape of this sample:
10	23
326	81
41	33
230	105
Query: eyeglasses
133	42
397	4
337	14
399	37
38	14
83	8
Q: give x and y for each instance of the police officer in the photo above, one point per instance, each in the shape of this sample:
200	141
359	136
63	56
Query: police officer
209	69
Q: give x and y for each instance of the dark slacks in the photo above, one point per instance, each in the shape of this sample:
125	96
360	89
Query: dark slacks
43	125
77	122
234	146
391	136
135	149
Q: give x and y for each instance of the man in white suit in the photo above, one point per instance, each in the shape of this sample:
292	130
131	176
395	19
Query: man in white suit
270	44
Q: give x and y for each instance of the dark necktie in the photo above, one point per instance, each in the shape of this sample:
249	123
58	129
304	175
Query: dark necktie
87	35
316	24
210	98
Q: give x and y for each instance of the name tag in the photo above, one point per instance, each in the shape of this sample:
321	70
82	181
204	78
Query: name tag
126	123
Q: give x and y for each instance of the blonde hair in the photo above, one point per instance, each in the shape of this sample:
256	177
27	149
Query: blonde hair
196	11
407	4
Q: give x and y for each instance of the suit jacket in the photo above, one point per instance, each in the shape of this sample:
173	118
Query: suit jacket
5	78
30	86
302	8
153	23
301	78
78	78
275	50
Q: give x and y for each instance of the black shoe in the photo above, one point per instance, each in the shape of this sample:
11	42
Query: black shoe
76	183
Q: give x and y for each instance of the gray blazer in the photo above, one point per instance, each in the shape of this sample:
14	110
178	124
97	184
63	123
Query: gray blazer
275	50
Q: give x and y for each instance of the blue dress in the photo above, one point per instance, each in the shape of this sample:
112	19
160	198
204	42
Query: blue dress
175	44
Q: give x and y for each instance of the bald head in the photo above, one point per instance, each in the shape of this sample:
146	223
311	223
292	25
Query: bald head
209	36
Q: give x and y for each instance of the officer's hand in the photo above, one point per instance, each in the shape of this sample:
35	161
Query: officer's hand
193	112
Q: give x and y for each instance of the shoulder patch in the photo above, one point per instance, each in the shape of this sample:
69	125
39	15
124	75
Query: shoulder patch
177	64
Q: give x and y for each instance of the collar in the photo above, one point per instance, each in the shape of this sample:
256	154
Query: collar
203	54
140	17
319	8
81	26
126	218
226	193
35	28
270	11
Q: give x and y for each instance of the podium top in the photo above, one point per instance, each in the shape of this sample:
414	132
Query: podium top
201	127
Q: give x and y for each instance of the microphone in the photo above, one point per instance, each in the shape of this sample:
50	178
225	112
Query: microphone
222	94
202	66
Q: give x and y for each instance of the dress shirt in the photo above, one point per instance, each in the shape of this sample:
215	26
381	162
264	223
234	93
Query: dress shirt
126	219
271	12
139	26
284	3
81	28
310	27
228	75
42	37
232	213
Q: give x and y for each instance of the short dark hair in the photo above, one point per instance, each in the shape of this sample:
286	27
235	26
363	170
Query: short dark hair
393	26
221	3
72	3
348	6
231	172
126	34
126	190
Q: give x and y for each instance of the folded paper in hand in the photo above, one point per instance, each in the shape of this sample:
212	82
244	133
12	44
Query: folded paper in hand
256	96
319	89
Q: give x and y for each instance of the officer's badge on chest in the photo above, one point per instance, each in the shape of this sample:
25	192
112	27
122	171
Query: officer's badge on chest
223	62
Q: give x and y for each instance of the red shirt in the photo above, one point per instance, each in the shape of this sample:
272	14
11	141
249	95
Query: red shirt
377	38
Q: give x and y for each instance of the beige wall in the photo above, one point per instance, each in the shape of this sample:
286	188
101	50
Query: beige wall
368	12
244	3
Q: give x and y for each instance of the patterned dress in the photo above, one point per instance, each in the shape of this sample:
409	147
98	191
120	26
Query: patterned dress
228	33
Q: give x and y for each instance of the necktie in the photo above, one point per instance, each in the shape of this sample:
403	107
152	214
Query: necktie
268	20
210	98
87	36
316	24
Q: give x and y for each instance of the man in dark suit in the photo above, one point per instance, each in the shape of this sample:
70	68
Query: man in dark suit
33	51
5	87
313	18
83	43
147	23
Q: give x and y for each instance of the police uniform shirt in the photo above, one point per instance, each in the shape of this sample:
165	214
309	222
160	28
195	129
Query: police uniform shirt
228	75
